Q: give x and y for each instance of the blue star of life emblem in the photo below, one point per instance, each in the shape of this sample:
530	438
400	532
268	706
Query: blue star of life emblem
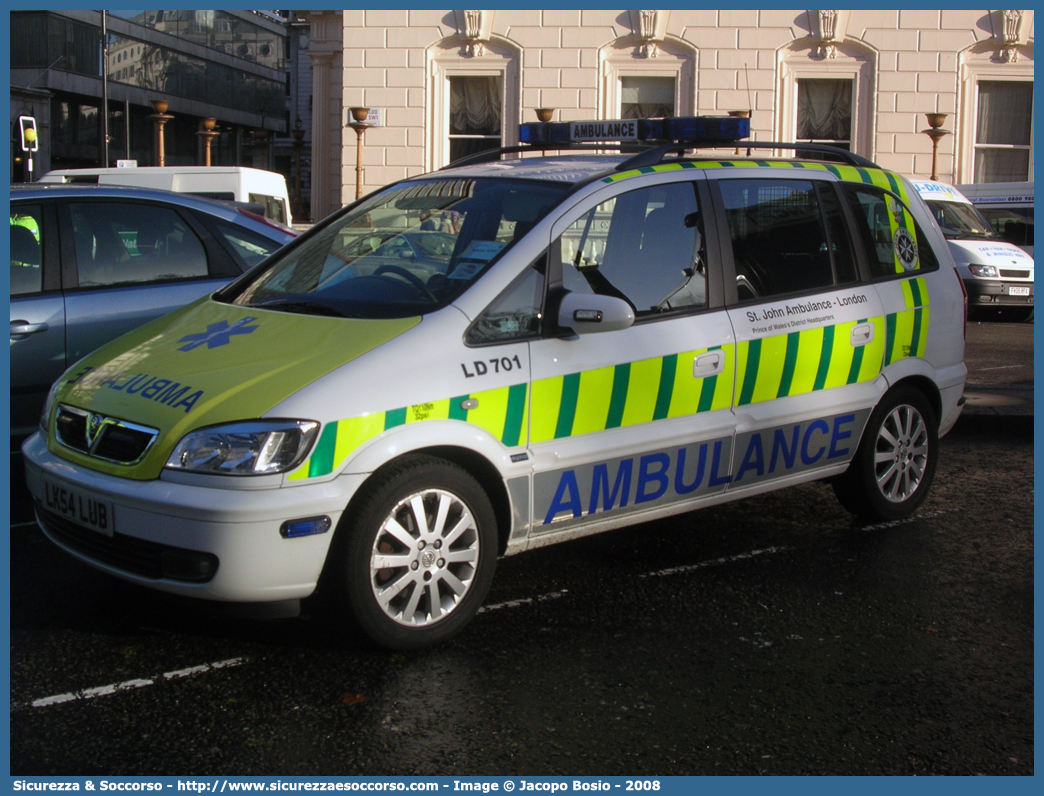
217	334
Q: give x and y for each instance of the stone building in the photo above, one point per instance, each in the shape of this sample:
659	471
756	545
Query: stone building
444	83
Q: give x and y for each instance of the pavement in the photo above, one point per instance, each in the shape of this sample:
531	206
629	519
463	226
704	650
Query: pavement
999	391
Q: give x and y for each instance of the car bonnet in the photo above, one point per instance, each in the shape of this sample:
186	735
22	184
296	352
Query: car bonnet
207	364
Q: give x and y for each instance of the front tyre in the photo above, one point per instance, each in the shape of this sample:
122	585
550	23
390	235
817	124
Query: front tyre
893	469
416	558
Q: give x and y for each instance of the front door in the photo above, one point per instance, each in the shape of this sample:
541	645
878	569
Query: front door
37	313
628	420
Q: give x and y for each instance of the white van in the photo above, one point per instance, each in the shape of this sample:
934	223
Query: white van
997	274
227	183
1008	206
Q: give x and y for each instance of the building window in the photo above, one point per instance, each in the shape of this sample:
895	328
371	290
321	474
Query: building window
828	100
476	111
825	112
646	97
1003	131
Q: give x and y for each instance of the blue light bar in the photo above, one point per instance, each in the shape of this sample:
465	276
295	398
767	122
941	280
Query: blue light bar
681	129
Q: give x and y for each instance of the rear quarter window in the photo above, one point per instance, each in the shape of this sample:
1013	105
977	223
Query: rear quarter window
893	241
248	248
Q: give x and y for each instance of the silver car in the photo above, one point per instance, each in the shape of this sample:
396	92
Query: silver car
89	263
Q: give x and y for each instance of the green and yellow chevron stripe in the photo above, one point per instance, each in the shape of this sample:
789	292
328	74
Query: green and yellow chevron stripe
627	395
907	331
807	361
639	392
502	412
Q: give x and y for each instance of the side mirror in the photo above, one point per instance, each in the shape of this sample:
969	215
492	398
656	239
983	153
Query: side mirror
585	313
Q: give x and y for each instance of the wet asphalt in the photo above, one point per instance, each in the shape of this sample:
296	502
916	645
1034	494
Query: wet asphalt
775	635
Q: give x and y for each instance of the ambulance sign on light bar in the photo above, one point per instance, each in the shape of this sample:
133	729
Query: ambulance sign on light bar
624	130
687	129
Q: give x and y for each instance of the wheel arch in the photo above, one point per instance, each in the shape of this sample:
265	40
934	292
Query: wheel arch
926	387
475	464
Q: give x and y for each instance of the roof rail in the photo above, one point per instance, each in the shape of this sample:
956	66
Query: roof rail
655	155
488	155
646	156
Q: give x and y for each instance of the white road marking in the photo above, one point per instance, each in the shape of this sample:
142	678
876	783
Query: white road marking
524	601
714	562
128	685
894	523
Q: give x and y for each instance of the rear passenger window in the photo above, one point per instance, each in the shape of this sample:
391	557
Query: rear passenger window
644	247
788	236
119	243
894	242
26	251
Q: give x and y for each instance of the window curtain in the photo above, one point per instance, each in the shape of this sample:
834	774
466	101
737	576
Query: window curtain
1004	113
475	106
646	97
1004	119
824	110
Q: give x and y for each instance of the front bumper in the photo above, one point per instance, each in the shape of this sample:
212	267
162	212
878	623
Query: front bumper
998	292
165	533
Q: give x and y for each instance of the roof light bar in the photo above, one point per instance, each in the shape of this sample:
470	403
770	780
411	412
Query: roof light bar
684	129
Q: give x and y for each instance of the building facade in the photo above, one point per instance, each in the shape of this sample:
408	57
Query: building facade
236	67
446	83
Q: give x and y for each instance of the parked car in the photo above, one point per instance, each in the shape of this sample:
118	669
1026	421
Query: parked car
997	275
266	190
1008	206
89	263
615	339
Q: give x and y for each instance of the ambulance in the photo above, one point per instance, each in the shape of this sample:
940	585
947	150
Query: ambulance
998	275
613	337
1008	206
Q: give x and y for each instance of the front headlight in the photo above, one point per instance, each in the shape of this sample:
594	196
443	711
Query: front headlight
988	271
261	447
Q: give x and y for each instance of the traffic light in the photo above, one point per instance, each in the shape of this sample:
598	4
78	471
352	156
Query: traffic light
30	142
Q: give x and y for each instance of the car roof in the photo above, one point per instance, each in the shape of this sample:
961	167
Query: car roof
211	207
569	168
575	168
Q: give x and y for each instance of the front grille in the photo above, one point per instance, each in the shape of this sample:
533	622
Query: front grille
1009	273
135	556
103	437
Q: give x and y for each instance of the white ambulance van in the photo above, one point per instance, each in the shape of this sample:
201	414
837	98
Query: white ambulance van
605	339
226	183
998	275
1008	206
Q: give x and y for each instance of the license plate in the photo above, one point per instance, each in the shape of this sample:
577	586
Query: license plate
79	507
1018	291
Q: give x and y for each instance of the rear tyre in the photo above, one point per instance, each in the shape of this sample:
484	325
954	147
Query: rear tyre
894	466
415	560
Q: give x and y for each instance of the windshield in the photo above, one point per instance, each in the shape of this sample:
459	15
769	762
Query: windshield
408	250
959	220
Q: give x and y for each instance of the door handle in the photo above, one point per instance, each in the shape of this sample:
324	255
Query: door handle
710	364
862	334
25	328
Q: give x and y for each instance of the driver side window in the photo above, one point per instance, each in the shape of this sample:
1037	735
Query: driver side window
644	247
